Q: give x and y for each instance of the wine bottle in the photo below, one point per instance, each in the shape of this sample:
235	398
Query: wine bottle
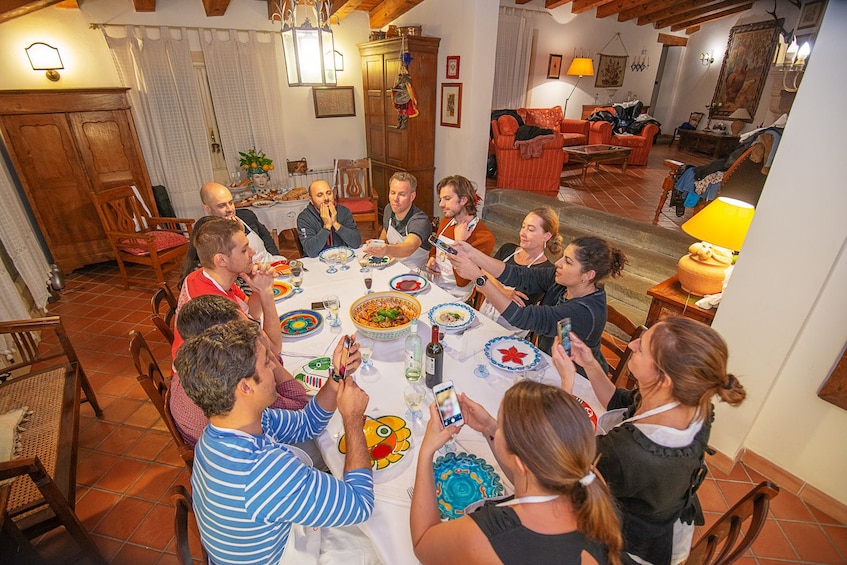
413	347
434	359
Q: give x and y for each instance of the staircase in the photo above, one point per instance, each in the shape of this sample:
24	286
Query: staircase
652	251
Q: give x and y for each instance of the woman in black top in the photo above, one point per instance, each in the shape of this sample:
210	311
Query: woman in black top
561	513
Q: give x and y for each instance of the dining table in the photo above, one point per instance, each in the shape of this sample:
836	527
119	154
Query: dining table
388	526
279	215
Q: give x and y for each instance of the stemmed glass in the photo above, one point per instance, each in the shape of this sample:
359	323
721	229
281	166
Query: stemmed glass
413	394
368	283
332	260
364	262
481	368
333	304
296	275
344	265
367	370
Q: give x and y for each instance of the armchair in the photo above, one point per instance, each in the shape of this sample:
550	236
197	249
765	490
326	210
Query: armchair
540	174
601	133
572	132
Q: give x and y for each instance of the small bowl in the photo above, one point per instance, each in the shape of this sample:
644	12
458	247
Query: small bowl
385	334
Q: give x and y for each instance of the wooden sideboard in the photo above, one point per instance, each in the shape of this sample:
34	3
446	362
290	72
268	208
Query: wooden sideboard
670	300
714	144
66	145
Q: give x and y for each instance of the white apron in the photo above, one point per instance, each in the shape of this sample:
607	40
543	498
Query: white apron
262	255
448	278
416	260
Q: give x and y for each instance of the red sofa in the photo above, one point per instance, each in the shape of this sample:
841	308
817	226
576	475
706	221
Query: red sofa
601	133
539	174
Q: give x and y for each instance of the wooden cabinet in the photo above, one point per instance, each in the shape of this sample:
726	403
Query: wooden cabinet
714	144
66	145
670	300
391	149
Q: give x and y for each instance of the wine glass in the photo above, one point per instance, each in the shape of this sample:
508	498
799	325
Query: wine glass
333	304
481	368
368	283
364	262
366	347
413	394
343	261
332	260
296	275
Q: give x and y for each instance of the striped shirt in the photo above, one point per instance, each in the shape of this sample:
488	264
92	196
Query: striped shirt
249	489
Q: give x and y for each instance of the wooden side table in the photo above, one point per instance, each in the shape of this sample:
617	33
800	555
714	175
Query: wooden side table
670	300
714	144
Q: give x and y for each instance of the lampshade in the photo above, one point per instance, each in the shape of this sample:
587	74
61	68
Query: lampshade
581	66
309	50
724	222
43	57
740	114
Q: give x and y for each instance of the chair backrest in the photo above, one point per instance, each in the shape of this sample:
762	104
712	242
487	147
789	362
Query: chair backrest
290	233
164	321
618	346
184	523
353	179
156	385
120	210
725	542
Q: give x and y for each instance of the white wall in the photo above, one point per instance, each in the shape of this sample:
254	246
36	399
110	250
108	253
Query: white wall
785	310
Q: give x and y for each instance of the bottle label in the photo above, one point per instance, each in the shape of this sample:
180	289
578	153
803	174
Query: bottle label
430	365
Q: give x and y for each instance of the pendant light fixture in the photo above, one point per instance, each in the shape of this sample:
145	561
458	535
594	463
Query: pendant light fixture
307	43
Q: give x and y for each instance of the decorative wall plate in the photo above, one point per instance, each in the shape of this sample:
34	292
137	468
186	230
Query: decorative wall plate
409	283
281	290
387	438
512	354
313	374
462	479
299	323
452	317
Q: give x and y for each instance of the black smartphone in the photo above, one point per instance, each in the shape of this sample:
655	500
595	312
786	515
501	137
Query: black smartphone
564	334
437	241
448	404
318	306
341	374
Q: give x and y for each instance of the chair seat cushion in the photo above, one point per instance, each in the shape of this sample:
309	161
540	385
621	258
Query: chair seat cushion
629	140
571	139
161	240
358	205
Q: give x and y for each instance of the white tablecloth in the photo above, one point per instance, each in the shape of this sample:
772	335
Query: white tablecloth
280	216
388	527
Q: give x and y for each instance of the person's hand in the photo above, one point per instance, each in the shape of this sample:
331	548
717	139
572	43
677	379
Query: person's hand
260	277
436	435
432	266
377	250
564	365
518	297
465	267
463	248
352	401
354	358
476	416
326	217
333	214
461	232
581	353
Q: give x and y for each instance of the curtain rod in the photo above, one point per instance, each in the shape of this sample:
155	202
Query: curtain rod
99	26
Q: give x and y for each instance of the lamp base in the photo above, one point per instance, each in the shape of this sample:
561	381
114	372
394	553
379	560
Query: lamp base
736	126
701	277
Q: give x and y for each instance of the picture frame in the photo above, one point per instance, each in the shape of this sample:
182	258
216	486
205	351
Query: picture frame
334	101
810	16
745	67
554	66
611	70
452	71
451	104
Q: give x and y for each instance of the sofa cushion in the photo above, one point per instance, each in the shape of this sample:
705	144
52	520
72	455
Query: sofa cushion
548	118
571	139
629	140
507	124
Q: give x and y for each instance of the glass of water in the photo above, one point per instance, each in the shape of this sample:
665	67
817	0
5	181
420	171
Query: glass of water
481	365
333	304
296	275
413	394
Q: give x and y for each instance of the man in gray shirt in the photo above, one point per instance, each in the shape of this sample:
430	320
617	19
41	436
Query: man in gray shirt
324	224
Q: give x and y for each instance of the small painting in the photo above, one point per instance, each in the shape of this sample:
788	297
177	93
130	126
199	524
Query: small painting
554	66
610	71
453	67
451	104
811	15
334	101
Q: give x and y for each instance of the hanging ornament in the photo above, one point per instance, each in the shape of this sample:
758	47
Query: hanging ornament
405	101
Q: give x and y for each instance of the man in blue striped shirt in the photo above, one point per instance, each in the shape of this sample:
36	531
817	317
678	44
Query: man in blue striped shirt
248	486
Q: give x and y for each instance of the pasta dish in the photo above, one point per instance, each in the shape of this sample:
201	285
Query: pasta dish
384	313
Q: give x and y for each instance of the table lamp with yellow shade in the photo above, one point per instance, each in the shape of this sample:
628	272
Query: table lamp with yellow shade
722	227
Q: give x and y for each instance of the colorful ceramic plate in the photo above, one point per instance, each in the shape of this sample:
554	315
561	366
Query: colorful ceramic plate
281	268
281	290
378	262
462	479
451	317
299	323
409	283
340	254
313	374
387	438
512	354
263	203
592	415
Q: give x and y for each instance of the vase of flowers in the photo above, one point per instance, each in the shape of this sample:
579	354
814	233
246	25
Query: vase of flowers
258	168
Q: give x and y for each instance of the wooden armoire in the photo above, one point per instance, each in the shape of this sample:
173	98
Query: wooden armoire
64	146
391	149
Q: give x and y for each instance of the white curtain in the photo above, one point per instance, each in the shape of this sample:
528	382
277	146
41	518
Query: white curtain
244	82
168	112
511	64
26	254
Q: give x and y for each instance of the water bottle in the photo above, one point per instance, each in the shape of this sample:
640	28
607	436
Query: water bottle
413	348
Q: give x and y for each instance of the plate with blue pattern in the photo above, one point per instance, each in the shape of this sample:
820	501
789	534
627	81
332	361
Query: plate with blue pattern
451	317
462	479
340	254
512	354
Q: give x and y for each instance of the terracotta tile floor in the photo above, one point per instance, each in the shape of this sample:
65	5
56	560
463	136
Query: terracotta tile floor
127	461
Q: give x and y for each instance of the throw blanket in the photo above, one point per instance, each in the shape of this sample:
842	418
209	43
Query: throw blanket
531	139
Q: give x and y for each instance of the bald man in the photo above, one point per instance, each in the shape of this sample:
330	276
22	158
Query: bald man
324	224
217	201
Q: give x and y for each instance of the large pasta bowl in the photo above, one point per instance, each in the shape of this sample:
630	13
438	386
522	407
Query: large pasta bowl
384	316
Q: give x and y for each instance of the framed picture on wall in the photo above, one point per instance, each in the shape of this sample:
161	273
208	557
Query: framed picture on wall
554	66
451	104
610	71
334	101
811	15
453	67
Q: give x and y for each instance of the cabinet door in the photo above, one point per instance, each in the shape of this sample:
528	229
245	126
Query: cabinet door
374	87
56	185
395	139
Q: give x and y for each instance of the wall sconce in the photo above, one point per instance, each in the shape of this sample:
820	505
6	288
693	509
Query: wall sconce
707	58
794	64
43	57
339	60
309	50
640	62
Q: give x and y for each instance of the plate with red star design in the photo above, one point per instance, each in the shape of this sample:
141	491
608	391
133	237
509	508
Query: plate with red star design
512	354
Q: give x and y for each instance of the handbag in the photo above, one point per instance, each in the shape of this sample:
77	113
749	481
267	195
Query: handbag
298	167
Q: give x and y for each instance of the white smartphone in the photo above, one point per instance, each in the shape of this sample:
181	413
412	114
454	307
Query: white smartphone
448	404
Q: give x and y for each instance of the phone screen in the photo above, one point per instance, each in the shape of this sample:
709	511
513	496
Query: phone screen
439	243
564	334
448	404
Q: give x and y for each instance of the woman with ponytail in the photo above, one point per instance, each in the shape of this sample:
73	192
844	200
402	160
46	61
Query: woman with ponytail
652	440
561	512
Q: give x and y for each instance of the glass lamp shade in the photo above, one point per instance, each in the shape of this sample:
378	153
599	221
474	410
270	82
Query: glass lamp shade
309	55
43	57
581	66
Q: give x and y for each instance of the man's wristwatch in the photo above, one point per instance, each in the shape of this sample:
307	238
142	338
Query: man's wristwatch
481	280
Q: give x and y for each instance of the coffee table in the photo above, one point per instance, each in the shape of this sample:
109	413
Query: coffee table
588	154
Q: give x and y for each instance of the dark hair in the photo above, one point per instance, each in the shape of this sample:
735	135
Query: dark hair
463	188
595	254
694	356
549	223
403	176
191	262
561	452
213	237
210	365
203	312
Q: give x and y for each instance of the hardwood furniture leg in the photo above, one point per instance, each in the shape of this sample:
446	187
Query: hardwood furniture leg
667	186
584	170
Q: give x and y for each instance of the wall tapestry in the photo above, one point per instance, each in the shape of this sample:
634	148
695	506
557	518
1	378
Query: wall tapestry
610	71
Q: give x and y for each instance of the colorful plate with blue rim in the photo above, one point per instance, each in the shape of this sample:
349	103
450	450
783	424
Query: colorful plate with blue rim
299	323
512	354
281	290
281	268
592	415
462	479
340	254
451	317
313	374
410	283
387	438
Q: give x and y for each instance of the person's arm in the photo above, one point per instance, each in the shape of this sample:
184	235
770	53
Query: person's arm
582	355
249	217
483	240
261	302
418	230
352	402
403	249
482	260
345	227
311	232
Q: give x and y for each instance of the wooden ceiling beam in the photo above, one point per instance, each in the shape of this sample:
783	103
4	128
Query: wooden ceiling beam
691	30
214	7
691	14
521	2
648	8
613	8
343	8
672	40
550	4
144	5
389	10
10	9
689	8
711	18
580	6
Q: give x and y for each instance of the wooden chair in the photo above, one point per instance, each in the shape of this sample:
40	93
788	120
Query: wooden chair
354	189
184	524
164	321
157	386
138	237
725	542
618	347
21	333
284	235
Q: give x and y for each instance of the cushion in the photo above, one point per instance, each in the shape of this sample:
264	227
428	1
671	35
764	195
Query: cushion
358	205
11	425
548	118
161	240
507	124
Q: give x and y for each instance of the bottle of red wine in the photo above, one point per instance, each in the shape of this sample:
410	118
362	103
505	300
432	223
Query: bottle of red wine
434	359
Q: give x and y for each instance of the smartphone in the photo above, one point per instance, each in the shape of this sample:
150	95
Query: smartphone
436	241
448	404
318	306
341	374
564	334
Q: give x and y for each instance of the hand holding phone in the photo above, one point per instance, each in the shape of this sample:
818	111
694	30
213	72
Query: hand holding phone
448	404
440	244
341	374
564	334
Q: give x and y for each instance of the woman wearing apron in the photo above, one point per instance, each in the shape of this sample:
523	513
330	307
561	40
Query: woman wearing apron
652	440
